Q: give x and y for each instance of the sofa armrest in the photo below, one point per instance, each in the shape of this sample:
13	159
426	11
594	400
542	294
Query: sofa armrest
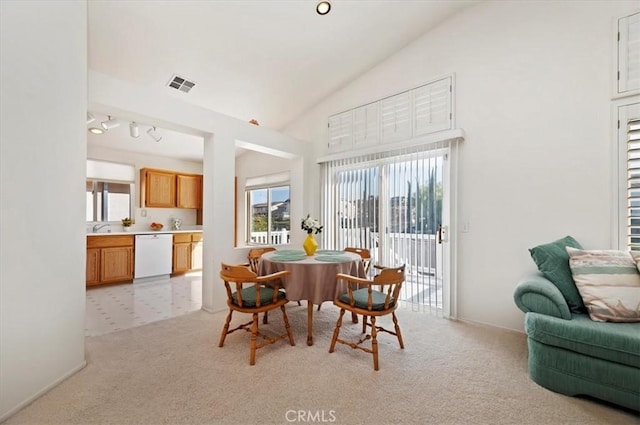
537	294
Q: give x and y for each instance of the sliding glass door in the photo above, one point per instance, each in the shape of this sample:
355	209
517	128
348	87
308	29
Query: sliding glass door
395	204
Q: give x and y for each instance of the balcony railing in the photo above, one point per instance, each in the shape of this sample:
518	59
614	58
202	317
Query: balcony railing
277	237
419	252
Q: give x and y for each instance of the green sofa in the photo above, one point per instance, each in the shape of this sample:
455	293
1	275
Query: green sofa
573	355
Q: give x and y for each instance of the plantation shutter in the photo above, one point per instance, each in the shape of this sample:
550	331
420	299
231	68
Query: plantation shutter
396	117
340	131
365	125
633	185
432	107
629	53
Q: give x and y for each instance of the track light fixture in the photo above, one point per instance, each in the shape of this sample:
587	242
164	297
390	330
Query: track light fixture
96	130
323	7
110	123
134	130
154	134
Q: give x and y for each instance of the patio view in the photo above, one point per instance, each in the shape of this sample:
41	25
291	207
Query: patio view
392	206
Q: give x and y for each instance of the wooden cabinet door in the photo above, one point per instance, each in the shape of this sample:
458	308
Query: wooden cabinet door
181	257
116	264
93	266
196	255
189	191
160	189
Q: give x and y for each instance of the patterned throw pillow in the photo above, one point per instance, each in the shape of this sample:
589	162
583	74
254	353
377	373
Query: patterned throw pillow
608	282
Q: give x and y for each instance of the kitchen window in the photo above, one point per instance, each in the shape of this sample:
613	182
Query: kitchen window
108	201
268	210
109	191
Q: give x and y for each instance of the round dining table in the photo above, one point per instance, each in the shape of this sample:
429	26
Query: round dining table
312	278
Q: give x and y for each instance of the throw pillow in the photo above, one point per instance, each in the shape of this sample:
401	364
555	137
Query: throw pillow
609	283
553	262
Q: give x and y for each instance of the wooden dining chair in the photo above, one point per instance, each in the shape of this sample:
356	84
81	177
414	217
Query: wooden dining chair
249	293
365	254
375	298
253	256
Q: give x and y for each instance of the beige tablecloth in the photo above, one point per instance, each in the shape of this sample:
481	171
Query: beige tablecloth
311	279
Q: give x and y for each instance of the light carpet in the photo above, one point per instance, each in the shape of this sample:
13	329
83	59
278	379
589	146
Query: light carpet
172	372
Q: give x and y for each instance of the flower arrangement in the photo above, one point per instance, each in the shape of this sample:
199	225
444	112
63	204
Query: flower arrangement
311	225
127	222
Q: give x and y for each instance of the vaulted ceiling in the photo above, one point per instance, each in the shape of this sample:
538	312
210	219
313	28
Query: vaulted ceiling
267	60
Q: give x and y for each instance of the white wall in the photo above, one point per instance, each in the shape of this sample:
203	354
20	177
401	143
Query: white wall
43	100
221	135
533	88
139	160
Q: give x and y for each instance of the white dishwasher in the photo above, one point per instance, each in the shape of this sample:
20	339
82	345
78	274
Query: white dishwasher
153	256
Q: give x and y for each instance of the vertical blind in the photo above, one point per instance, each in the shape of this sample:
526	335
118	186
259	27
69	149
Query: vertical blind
392	204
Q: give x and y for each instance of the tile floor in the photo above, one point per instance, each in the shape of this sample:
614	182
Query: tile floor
116	307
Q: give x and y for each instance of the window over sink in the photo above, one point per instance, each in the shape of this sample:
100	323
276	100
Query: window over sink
110	189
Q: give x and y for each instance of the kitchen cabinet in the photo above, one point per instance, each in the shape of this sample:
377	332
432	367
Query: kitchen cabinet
189	191
158	188
181	253
93	266
170	189
109	259
187	252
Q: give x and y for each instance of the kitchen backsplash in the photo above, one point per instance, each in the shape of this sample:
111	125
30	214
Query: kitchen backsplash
145	216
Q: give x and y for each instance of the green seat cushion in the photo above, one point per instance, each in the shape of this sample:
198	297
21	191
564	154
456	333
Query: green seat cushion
553	262
361	298
249	296
616	342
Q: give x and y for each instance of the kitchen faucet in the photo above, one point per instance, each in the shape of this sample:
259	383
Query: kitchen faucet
99	226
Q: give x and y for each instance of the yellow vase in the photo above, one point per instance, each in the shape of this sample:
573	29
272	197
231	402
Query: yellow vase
310	245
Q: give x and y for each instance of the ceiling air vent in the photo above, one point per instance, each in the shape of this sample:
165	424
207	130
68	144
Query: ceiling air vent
180	83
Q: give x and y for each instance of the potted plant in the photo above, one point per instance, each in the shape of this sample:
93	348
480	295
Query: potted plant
126	223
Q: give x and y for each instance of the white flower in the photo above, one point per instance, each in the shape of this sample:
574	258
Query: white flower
310	225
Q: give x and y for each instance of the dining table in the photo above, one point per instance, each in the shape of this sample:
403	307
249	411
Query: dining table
313	278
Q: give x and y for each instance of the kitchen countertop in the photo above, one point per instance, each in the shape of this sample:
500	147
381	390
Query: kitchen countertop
185	229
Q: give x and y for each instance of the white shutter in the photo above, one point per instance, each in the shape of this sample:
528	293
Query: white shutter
432	107
629	53
366	125
395	117
632	129
340	131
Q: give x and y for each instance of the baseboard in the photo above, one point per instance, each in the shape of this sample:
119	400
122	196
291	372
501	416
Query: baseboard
472	322
40	393
208	310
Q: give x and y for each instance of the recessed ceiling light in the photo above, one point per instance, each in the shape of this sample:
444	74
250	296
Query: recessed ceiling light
323	7
96	130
